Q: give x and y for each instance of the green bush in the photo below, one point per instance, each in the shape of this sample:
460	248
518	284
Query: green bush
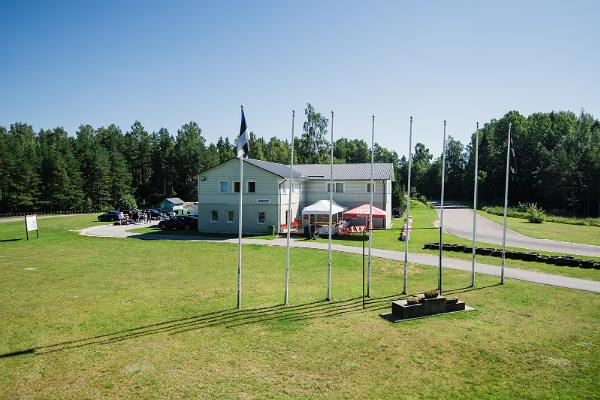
511	212
535	214
127	201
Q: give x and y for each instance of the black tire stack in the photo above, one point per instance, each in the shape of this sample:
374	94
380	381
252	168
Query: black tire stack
564	261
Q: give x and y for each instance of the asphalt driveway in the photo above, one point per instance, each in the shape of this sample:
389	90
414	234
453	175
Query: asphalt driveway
458	220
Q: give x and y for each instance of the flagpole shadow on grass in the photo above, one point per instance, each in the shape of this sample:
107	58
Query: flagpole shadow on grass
228	318
231	318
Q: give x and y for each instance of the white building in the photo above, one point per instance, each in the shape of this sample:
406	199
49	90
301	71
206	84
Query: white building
266	186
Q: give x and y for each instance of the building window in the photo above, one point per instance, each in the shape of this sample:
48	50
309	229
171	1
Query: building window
224	187
214	216
251	187
261	217
236	186
230	216
296	187
369	187
338	187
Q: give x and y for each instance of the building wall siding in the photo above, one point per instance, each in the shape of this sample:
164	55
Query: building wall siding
209	199
271	198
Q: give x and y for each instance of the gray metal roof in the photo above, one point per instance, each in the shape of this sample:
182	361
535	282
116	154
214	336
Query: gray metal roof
346	172
174	200
281	170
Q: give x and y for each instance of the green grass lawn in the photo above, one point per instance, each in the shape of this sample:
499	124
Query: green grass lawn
130	318
424	219
551	230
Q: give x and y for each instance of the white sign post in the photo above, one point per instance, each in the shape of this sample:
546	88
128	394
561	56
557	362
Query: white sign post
31	225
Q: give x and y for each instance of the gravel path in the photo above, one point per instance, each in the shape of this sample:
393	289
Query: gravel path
458	220
113	231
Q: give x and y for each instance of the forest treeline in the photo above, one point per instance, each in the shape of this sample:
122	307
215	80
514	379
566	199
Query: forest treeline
558	163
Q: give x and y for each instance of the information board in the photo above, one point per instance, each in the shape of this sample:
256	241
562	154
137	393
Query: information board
31	225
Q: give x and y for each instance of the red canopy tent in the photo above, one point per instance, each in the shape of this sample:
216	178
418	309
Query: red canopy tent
363	212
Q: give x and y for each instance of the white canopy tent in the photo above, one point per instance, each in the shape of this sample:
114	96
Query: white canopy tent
320	215
321	207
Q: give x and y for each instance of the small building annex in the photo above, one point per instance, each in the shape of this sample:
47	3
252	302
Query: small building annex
172	204
266	191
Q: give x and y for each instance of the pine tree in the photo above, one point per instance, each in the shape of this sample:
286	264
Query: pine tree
189	159
24	180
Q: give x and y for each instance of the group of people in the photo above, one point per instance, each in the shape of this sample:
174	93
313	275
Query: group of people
135	216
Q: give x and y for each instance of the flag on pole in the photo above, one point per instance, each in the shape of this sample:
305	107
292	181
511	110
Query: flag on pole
243	143
513	157
243	148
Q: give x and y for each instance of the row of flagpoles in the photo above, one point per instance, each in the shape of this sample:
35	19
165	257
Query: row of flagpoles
243	148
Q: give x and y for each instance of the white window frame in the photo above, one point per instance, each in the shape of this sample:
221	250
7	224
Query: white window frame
248	186
232	218
214	221
258	217
369	186
220	188
296	187
335	187
233	186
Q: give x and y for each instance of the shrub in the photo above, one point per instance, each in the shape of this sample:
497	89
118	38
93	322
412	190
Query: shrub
535	214
127	201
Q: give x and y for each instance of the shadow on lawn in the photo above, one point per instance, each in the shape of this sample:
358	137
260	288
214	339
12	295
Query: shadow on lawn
231	318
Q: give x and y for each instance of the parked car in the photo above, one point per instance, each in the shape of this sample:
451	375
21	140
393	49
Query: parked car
155	214
110	216
186	222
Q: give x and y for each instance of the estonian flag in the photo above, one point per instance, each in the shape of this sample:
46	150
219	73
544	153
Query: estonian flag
513	157
243	143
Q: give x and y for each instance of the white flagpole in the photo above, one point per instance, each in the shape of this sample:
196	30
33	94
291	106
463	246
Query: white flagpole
330	216
505	205
407	207
289	218
475	207
442	209
239	292
371	205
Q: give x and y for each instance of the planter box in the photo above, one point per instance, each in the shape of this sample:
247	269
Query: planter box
438	305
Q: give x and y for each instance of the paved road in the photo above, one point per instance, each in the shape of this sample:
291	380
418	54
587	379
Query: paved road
458	220
423	259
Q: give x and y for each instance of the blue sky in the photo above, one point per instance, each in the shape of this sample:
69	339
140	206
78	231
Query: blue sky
166	63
